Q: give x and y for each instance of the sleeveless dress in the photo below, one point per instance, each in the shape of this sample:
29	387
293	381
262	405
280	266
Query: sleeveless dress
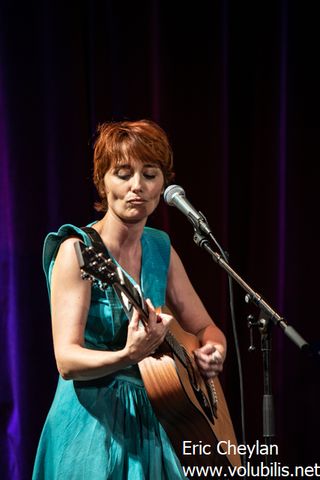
106	428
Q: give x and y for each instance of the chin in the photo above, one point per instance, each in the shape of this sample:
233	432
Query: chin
134	218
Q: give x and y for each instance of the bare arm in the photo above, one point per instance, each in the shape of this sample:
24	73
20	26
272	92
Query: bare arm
70	302
186	305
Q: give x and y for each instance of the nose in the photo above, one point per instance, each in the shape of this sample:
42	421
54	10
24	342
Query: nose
137	182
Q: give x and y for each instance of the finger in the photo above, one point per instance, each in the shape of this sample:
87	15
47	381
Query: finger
210	370
203	364
216	357
211	358
208	362
165	319
134	322
207	349
150	305
152	312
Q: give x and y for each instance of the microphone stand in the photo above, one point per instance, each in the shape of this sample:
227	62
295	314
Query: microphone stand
252	296
267	315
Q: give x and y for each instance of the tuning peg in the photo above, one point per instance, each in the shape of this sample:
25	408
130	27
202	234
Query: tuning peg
85	276
110	264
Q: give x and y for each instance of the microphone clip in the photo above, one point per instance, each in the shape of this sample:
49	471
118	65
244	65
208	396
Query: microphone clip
200	238
201	225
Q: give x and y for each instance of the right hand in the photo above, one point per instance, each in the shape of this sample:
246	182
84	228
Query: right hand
142	341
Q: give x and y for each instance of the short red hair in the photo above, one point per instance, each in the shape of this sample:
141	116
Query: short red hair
141	140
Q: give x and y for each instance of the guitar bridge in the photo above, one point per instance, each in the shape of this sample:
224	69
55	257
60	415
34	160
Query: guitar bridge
213	397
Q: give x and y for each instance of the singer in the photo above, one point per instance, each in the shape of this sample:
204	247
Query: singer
101	424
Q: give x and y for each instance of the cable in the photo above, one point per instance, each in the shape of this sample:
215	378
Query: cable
237	348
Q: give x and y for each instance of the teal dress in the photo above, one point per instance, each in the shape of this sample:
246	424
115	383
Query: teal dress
106	428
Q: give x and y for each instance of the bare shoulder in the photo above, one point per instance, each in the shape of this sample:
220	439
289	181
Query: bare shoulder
66	262
68	244
67	251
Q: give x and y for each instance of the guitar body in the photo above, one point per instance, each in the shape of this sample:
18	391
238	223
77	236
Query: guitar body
179	410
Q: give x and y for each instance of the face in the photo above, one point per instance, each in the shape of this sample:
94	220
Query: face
133	190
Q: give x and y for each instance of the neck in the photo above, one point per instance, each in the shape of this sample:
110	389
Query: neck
119	235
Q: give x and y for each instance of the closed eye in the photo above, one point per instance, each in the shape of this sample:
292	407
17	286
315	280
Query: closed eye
124	176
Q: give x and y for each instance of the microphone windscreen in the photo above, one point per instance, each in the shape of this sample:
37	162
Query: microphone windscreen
171	191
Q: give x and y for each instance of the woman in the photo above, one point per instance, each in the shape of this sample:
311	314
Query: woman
101	424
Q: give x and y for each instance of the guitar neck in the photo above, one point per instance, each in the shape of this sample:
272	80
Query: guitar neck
176	348
136	299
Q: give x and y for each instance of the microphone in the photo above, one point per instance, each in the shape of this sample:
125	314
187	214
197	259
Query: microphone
174	195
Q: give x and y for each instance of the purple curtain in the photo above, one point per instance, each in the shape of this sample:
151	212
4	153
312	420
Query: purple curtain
236	86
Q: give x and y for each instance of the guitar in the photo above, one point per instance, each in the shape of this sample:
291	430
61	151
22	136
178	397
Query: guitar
192	410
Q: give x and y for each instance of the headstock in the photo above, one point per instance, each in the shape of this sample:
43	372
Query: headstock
96	267
103	271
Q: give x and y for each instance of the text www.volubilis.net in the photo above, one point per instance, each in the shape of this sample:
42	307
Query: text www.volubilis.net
274	470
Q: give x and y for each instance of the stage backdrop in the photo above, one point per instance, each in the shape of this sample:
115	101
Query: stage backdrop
236	87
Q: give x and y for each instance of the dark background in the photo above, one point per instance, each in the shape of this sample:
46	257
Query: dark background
236	87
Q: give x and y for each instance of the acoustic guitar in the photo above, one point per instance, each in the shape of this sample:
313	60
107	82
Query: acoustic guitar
192	410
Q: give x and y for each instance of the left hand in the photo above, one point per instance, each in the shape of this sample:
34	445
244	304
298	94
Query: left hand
209	360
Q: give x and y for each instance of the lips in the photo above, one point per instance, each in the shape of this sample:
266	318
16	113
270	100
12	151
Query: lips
136	201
